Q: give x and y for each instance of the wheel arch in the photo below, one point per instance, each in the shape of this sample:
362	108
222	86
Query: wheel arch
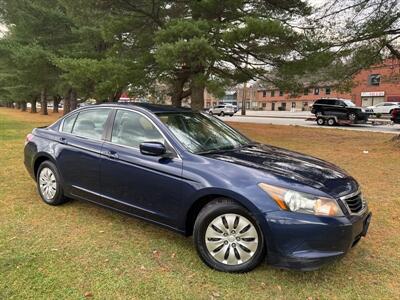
203	200
39	159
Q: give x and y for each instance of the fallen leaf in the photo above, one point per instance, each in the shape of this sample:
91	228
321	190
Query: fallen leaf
88	294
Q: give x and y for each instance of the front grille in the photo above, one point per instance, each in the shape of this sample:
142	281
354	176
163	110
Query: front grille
355	203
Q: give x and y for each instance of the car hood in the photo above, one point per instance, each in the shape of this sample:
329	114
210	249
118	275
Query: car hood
292	167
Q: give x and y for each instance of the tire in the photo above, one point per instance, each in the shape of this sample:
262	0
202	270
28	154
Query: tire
320	121
222	114
49	184
352	117
228	252
211	113
331	122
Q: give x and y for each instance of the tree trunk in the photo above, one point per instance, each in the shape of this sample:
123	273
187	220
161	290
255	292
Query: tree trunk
67	102
23	106
73	99
43	102
116	96
33	105
178	93
197	97
56	102
18	105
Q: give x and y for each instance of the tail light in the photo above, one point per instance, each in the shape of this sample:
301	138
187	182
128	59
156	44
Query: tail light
28	138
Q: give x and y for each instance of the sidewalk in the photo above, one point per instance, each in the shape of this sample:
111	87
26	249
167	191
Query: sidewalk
277	114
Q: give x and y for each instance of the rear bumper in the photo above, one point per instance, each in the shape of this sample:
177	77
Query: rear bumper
29	153
307	242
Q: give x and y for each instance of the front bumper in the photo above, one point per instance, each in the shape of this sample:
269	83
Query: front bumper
306	242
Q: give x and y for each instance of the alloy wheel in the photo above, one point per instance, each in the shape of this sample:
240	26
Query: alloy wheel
47	183
231	239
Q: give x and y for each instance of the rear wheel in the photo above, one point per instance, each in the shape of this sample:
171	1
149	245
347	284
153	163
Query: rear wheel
320	121
228	238
49	184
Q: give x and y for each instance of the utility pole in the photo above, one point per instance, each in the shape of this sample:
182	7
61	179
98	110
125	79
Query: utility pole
244	99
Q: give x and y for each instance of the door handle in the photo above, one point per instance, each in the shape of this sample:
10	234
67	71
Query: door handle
62	140
110	154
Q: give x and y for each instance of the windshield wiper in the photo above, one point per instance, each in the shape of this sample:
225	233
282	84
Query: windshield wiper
217	150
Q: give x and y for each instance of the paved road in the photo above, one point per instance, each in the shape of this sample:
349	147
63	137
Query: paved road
394	129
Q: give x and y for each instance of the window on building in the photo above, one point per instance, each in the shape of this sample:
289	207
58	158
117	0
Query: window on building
327	90
280	93
374	79
316	91
264	94
272	93
264	104
305	92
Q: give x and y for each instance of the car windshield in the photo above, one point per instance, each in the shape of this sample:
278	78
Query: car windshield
200	133
349	103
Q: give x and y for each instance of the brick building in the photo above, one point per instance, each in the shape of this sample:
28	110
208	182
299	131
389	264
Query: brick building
376	84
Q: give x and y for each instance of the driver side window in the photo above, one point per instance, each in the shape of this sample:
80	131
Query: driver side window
131	129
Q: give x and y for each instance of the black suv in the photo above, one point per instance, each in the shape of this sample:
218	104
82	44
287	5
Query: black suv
342	109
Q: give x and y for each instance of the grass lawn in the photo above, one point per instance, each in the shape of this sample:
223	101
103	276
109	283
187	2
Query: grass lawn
81	250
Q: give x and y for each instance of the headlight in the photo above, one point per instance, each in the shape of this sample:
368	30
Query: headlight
303	203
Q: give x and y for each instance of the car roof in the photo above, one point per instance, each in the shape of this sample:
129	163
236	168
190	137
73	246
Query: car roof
154	108
342	99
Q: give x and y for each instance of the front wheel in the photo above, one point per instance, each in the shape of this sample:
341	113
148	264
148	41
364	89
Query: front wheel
222	114
352	117
49	184
228	238
331	122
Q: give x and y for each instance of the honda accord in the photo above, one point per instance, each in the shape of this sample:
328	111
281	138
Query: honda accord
242	201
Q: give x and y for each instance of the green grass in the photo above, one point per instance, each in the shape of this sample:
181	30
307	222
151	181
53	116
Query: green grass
68	251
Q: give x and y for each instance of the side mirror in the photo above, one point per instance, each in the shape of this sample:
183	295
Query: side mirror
152	148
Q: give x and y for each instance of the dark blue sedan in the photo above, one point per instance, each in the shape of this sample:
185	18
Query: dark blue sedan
242	201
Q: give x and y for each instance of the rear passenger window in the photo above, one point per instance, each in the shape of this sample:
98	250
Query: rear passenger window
131	129
68	123
91	123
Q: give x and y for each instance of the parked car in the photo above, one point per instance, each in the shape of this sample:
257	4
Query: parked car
241	200
396	115
383	108
342	109
222	110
